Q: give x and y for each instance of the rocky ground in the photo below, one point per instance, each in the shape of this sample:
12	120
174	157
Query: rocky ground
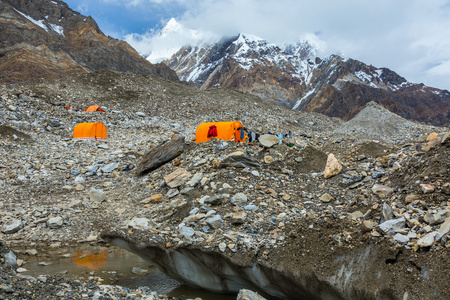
244	201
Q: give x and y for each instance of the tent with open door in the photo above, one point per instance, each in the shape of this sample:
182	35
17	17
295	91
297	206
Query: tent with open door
229	131
94	108
90	131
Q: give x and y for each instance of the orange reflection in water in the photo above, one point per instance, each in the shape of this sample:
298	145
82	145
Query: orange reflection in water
92	261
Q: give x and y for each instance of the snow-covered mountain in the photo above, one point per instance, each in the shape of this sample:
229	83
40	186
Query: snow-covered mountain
170	39
294	75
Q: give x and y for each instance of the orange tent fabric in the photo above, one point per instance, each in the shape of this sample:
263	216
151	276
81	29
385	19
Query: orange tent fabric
92	261
94	108
223	131
90	131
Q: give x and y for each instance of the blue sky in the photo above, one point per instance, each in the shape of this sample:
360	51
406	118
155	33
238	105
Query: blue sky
411	37
119	18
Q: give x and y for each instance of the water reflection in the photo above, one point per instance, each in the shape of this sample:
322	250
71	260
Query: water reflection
92	261
114	266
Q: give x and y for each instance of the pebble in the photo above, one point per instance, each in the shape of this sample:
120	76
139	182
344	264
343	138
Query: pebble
55	223
367	225
32	252
239	199
255	173
177	178
249	295
427	188
155	199
215	221
382	191
139	223
326	198
401	238
390	226
10	259
435	218
214	200
195	179
97	195
109	167
268	159
12	227
186	231
139	271
238	218
172	193
250	207
427	240
79	187
444	228
222	146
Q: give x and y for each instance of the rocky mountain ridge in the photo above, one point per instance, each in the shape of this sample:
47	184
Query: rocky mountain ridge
294	76
47	39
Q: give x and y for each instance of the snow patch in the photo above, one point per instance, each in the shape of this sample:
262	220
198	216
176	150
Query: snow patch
39	23
366	78
57	28
297	104
44	24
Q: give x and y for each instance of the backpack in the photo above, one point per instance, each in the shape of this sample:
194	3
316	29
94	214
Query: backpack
212	131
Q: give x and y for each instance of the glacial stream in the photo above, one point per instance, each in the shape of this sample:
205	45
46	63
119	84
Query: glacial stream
112	266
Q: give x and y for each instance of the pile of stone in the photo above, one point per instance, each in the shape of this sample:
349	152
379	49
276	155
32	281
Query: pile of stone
221	196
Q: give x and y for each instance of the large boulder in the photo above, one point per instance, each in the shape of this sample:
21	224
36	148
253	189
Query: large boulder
269	140
332	168
161	154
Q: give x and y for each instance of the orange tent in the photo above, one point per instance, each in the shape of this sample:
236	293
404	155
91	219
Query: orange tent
92	261
90	131
228	131
94	108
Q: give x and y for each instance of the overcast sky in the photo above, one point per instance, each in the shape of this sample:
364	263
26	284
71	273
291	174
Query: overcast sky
411	37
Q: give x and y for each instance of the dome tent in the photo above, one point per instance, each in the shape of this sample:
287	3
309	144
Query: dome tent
228	131
94	108
90	131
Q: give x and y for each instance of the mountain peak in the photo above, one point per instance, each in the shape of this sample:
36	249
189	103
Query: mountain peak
171	27
294	76
248	38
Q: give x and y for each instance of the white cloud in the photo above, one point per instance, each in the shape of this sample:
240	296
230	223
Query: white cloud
410	37
442	69
162	45
139	2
